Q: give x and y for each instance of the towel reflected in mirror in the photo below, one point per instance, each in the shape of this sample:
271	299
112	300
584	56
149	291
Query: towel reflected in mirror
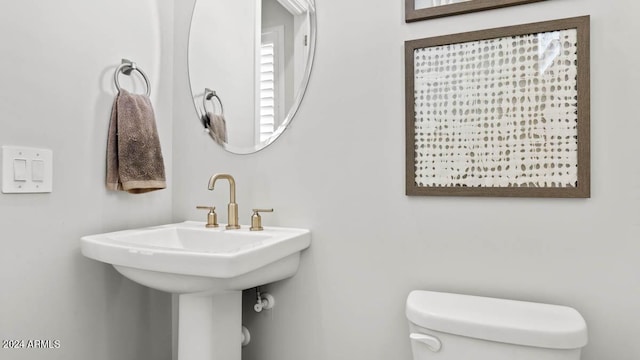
218	127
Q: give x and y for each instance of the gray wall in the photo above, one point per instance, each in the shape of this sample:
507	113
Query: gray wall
339	170
56	91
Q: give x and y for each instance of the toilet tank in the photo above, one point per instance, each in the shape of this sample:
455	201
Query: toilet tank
445	326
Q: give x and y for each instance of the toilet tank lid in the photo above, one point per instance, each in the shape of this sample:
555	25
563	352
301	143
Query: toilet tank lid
507	321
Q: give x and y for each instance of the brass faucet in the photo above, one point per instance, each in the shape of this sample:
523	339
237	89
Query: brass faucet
232	208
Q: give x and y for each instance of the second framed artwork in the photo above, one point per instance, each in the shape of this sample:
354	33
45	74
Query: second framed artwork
429	9
500	112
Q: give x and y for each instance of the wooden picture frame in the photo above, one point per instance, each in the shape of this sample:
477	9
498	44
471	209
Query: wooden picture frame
500	112
412	14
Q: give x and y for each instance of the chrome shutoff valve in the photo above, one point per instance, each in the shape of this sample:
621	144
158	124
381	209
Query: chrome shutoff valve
263	301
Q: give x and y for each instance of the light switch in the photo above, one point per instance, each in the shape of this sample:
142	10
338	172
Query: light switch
37	170
26	170
19	170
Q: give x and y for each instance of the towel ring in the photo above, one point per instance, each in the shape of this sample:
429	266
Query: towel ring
208	95
126	67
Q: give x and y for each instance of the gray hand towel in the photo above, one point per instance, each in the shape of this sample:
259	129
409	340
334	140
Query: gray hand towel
218	126
134	157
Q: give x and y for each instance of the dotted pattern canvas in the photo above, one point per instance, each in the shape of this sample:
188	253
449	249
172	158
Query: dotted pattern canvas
498	113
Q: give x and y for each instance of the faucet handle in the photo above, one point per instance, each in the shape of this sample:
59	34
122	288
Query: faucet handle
262	210
212	217
256	219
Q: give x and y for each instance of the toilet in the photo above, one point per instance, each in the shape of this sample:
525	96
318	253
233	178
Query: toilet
446	326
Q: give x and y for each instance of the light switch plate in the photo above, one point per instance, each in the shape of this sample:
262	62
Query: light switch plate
43	159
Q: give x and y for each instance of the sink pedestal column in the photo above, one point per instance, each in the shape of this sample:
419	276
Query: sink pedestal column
210	326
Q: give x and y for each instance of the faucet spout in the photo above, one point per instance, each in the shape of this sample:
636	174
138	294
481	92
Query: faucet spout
232	208
232	185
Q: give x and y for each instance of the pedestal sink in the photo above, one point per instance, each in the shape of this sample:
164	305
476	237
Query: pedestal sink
208	268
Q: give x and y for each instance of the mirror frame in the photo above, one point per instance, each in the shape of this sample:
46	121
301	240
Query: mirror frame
245	150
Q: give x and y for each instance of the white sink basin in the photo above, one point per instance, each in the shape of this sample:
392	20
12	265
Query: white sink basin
208	268
189	258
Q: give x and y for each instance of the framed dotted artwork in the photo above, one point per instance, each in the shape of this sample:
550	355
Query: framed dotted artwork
430	9
500	112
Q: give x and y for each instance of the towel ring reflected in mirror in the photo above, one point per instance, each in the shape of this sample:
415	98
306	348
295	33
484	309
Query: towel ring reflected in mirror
260	64
126	67
209	95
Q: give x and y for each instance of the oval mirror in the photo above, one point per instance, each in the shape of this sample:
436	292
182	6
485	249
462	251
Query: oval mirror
249	65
